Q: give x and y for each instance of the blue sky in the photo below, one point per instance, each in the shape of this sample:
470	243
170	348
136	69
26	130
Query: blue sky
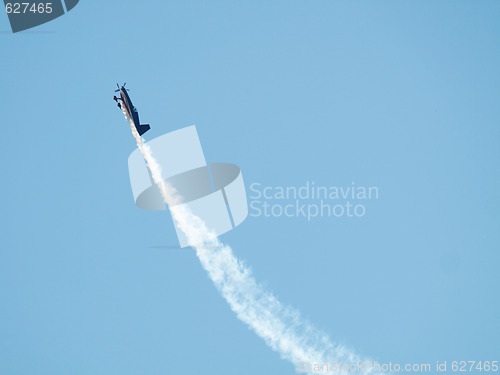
399	95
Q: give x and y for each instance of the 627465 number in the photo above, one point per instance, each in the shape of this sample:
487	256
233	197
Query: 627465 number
21	8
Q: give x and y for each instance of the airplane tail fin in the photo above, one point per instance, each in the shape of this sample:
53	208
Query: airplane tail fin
143	128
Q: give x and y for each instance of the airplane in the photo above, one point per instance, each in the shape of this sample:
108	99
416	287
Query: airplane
130	109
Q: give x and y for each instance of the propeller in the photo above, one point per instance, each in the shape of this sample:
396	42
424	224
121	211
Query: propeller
122	87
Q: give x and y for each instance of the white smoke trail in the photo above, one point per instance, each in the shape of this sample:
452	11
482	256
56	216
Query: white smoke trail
280	326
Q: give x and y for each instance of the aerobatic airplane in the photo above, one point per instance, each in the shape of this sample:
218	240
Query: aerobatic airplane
130	109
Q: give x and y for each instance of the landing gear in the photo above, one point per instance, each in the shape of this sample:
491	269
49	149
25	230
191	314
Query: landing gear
119	106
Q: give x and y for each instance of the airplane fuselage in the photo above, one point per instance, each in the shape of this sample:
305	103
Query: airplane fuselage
129	107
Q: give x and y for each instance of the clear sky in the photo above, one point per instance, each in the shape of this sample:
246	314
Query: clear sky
403	96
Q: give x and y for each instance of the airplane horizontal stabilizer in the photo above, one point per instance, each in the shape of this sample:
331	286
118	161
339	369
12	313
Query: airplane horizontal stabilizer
143	128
